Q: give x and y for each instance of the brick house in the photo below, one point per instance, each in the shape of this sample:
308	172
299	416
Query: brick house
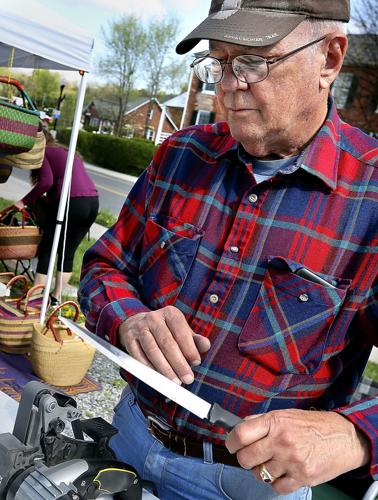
101	115
355	90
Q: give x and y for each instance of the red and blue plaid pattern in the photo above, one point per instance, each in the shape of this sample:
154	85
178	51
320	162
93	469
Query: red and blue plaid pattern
198	232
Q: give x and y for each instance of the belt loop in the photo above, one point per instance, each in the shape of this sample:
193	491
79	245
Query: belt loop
207	452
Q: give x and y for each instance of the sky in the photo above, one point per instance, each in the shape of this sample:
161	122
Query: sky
92	15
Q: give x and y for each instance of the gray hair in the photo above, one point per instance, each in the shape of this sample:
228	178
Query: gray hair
319	27
315	28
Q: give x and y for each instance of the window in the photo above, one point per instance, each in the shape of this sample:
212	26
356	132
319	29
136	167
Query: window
150	114
343	90
207	88
150	134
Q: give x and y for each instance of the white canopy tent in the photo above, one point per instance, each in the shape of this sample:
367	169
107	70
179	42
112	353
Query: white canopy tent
42	39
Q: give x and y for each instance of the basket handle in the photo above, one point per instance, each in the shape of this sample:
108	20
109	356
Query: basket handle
21	88
53	317
12	81
19	277
26	216
8	275
5	211
29	296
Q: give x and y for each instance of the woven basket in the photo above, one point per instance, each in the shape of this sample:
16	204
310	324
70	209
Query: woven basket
18	125
29	160
17	316
18	242
57	356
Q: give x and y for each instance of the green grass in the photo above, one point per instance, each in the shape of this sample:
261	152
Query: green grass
83	247
371	371
5	203
106	218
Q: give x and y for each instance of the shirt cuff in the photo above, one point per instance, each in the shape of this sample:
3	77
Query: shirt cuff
115	313
364	415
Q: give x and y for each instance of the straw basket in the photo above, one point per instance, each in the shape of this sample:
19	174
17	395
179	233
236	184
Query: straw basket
17	316
57	356
18	242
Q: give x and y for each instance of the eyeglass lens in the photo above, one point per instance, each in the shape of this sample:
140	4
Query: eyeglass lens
248	68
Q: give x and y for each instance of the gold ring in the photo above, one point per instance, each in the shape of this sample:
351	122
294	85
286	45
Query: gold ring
265	475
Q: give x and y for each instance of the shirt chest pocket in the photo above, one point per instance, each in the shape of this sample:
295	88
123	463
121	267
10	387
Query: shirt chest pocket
168	251
288	327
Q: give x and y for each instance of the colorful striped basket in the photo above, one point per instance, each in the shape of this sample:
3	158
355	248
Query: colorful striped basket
18	124
17	316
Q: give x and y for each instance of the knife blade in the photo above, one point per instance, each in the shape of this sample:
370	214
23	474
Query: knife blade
212	412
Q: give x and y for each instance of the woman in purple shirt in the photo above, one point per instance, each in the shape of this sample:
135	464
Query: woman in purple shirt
83	209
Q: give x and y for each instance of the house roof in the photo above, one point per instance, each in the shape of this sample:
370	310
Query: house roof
177	101
108	110
362	50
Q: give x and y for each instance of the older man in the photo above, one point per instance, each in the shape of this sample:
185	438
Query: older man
244	265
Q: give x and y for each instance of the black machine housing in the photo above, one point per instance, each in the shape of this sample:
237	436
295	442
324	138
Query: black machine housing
39	462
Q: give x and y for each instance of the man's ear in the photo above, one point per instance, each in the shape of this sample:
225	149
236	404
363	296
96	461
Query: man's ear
334	55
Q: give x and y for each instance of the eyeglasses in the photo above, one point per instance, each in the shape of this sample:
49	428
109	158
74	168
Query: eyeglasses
248	68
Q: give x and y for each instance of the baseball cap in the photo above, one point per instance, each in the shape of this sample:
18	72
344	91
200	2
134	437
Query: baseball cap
257	23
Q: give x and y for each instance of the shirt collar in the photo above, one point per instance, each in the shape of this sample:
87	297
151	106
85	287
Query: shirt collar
319	158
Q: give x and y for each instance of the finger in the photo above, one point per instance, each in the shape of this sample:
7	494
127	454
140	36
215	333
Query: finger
203	344
255	454
275	468
183	334
137	352
286	484
154	354
247	433
172	352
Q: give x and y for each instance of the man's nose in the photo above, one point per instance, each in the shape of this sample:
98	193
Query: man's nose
230	82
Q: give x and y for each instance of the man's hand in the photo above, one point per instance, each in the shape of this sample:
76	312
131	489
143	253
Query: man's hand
298	447
164	341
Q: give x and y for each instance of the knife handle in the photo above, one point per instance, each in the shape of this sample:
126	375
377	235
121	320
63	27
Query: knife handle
222	417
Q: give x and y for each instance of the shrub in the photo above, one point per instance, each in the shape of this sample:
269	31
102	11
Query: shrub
129	156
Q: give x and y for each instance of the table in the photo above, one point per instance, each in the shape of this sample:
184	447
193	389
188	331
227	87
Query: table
8	412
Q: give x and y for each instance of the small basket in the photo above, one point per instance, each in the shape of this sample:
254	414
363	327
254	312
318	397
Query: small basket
17	317
18	242
58	357
18	124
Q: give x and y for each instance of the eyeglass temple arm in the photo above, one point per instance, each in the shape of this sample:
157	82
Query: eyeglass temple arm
281	58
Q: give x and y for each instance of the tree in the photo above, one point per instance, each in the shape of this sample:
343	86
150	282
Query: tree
125	40
161	40
43	86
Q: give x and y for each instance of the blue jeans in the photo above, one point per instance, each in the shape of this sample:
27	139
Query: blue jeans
177	477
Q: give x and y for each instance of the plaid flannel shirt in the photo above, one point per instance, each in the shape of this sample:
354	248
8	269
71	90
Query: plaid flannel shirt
197	231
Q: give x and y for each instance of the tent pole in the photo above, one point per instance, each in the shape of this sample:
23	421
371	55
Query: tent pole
65	192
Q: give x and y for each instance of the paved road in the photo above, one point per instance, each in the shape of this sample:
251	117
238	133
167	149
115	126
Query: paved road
112	187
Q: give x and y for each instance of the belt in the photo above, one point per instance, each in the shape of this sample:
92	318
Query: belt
184	446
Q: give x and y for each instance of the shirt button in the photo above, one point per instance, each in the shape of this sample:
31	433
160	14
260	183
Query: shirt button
214	298
303	297
234	249
107	338
253	198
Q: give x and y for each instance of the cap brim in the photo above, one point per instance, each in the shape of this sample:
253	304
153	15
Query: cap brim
257	28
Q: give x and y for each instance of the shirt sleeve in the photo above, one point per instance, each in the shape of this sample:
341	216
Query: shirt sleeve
108	291
44	183
364	413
